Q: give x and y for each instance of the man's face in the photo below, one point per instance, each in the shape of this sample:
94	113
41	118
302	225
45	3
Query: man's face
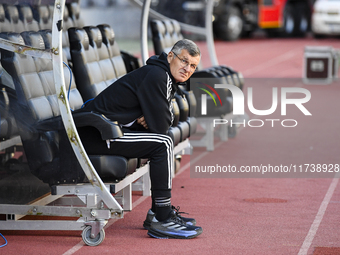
183	65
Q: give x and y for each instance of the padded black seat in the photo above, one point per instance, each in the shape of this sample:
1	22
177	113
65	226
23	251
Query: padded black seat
92	68
8	127
47	149
174	131
103	56
108	38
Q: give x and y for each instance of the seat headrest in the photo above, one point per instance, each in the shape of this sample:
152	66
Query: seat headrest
2	13
158	26
74	10
95	36
169	27
66	15
44	14
78	37
26	13
108	35
12	13
176	25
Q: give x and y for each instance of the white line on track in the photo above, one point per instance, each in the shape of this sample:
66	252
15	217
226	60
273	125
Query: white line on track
274	61
319	216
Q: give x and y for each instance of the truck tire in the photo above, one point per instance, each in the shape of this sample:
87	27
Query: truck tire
230	24
289	21
303	22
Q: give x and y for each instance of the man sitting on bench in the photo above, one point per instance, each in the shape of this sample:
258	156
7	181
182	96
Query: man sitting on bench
141	103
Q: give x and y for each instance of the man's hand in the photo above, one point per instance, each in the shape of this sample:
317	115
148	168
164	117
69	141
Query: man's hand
141	121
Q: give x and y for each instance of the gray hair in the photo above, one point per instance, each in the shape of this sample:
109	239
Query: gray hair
188	45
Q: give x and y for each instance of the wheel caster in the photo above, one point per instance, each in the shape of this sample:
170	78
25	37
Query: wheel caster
86	235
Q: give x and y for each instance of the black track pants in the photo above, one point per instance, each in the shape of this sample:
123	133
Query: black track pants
155	147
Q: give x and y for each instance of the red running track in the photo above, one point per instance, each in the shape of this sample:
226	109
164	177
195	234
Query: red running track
241	215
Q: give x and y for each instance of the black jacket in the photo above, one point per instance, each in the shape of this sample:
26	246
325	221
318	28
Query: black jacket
147	91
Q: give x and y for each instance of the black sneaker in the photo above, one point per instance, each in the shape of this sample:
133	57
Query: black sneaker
151	214
173	227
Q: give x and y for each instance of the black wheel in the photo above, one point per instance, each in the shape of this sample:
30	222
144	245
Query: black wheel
86	235
230	24
289	21
302	17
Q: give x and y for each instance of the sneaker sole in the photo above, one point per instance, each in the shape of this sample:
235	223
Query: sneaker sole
159	235
146	225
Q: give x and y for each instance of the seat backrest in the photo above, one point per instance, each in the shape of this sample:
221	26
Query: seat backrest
75	98
33	78
177	34
43	16
3	22
90	77
26	16
8	127
12	15
37	106
108	37
165	34
103	55
168	35
158	36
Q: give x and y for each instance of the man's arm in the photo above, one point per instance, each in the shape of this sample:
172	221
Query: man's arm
154	97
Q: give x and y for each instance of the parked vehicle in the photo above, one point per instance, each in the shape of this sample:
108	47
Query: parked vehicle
236	18
326	18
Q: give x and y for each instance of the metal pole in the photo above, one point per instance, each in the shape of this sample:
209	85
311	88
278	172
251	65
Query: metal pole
144	30
58	73
209	34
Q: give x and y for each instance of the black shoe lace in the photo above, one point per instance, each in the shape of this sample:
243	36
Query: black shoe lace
177	212
178	219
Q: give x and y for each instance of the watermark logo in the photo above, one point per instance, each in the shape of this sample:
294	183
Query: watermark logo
230	96
204	98
238	100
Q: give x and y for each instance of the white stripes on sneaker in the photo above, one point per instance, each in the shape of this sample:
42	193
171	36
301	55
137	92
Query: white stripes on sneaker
174	226
170	225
